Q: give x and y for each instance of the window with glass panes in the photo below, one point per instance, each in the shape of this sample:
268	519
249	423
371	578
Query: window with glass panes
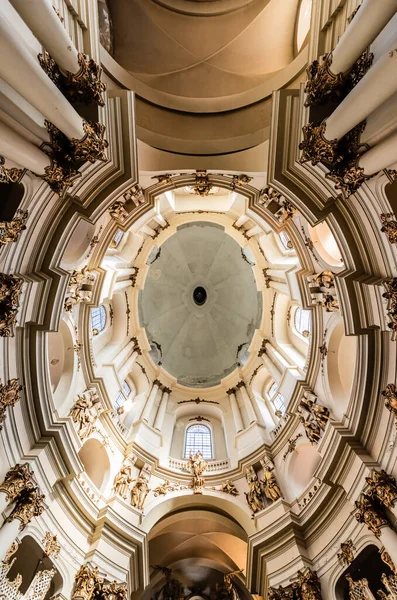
117	237
285	240
276	398
302	320
198	439
98	318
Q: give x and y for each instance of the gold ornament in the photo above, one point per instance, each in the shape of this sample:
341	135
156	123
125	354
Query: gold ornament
324	279
370	514
140	490
254	496
51	546
202	186
309	585
389	226
17	479
384	487
9	396
390	395
10	230
315	147
197	466
11	551
385	556
270	486
229	488
92	145
82	415
87	582
28	504
346	555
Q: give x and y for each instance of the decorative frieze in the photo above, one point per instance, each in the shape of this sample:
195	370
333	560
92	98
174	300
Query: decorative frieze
84	86
9	396
10	230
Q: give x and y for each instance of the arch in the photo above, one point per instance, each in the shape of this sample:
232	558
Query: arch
368	564
340	367
198	438
302	322
96	462
326	245
78	245
302	467
303	23
98	318
61	361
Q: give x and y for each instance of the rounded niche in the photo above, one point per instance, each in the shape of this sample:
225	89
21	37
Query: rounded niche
61	359
341	366
326	245
96	463
78	244
302	466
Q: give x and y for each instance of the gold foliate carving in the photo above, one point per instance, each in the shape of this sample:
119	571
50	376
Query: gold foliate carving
92	145
164	178
270	486
385	556
241	179
10	175
10	230
114	591
29	503
370	513
202	186
348	178
358	589
51	546
11	551
309	585
118	211
384	487
17	479
346	554
291	445
391	295
324	279
84	86
389	226
390	395
315	147
59	175
10	290
9	396
87	582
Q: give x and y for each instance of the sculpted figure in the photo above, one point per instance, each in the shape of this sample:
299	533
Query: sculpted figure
319	413
383	486
162	489
330	303
117	210
270	485
324	279
197	465
139	492
122	481
82	416
312	430
229	488
87	581
254	495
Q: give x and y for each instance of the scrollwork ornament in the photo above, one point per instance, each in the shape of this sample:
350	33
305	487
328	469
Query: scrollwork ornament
348	178
92	145
370	514
11	551
10	175
28	504
87	581
315	147
114	591
52	547
17	479
390	395
384	487
346	554
309	585
322	84
385	556
10	230
59	176
9	396
389	226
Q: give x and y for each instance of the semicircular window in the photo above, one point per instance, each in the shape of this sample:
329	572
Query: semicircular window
98	319
198	439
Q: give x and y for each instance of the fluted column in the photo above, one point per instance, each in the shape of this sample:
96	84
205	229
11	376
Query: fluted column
29	504
238	421
158	423
249	407
147	411
21	70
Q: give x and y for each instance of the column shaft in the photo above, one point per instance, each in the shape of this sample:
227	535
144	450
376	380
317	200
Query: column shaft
22	152
22	71
238	422
147	411
158	424
389	540
363	29
374	88
272	368
41	18
379	157
8	534
248	404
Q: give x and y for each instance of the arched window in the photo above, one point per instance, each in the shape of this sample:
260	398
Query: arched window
284	239
198	439
98	319
276	399
121	397
118	236
302	321
303	24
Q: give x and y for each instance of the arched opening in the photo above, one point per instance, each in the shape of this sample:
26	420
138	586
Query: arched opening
29	560
96	463
198	438
369	565
11	198
61	358
341	365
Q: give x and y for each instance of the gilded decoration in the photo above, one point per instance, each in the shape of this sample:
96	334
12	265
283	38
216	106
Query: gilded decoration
226	590
135	194
286	211
389	226
17	479
84	86
323	85
358	590
229	488
348	177
254	496
315	147
79	288
10	230
324	279
390	395
269	194
238	180
270	486
316	412
326	301
202	186
118	211
140	489
114	591
11	551
172	588
122	481
92	145
391	296
390	583
384	487
385	556
370	513
197	466
312	429
346	554
86	582
308	585
28	504
9	396
51	545
83	415
164	178
11	174
59	175
291	445
10	290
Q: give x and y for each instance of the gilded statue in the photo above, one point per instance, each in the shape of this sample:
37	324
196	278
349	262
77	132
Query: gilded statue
229	488
312	429
172	589
226	590
319	413
139	491
197	466
309	585
270	486
82	416
254	496
384	487
324	279
390	395
162	489
122	481
370	514
28	504
10	230
346	554
9	396
389	226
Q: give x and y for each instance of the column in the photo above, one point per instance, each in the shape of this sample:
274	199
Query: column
238	422
247	402
147	411
16	480
8	534
148	230
160	220
253	231
375	519
158	423
240	221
